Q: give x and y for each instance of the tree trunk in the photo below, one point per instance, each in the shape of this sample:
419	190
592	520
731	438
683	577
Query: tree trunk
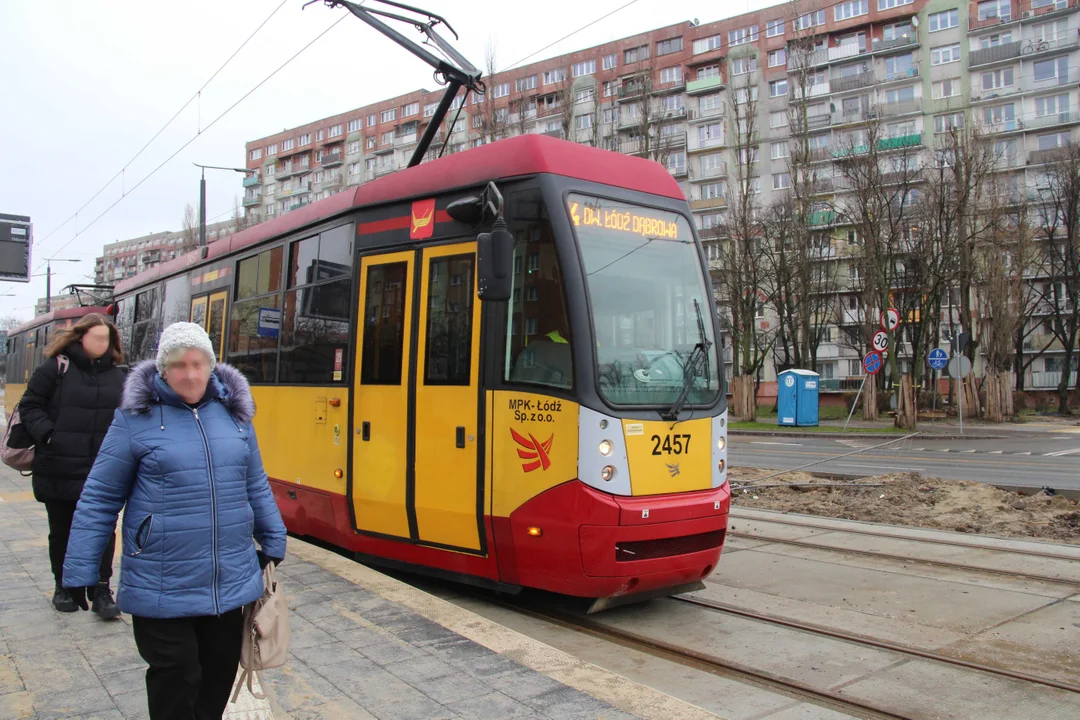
907	411
972	406
869	402
1005	378
994	410
743	398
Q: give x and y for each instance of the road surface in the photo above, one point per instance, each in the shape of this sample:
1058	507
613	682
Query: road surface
1034	459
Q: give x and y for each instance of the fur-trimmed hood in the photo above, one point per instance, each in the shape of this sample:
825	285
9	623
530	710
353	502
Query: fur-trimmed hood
141	392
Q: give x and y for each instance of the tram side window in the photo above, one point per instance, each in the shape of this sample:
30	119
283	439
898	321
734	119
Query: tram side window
255	317
315	322
125	320
384	325
147	327
177	300
538	329
449	321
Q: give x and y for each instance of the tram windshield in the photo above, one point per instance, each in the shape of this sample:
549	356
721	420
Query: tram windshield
650	303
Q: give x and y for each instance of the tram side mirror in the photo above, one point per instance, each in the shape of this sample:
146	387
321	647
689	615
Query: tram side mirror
467	210
495	263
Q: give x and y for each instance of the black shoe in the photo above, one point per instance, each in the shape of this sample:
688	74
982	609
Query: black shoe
103	604
62	601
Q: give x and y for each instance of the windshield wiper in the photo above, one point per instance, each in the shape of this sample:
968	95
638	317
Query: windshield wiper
696	356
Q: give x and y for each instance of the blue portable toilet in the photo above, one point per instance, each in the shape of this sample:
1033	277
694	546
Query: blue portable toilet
797	398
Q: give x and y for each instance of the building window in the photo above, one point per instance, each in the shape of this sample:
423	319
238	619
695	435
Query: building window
944	123
556	75
947	88
945	54
671	45
583	68
712	131
712	191
944	20
269	170
369	142
850	9
499	91
778	58
774	28
708	103
355	125
1001	9
525	83
335	131
1051	69
255	154
1053	140
387	138
743	65
271	149
671	75
778	88
610	61
611	115
353	147
742	35
611	88
809	20
778	119
633	55
583	122
1052	105
997	79
708	44
781	181
780	150
388	115
890	4
354	168
319	135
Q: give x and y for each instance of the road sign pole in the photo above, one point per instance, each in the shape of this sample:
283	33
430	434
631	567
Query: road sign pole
937	374
854	404
960	395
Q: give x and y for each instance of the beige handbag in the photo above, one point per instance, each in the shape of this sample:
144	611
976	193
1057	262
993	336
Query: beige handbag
266	634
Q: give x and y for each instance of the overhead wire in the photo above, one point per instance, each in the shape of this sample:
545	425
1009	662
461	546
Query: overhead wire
199	134
197	95
570	35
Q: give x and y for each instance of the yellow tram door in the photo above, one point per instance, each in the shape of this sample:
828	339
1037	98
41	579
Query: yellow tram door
448	492
416	407
209	311
381	399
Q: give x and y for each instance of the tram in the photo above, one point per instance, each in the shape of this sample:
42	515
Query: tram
26	347
550	414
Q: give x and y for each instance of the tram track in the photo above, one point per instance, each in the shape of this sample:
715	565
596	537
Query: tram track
909	559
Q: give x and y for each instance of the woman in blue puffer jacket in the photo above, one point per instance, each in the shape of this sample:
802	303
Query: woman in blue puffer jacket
182	454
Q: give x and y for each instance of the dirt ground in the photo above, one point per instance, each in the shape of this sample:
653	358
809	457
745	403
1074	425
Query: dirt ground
910	499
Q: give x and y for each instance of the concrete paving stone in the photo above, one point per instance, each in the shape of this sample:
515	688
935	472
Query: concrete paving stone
296	686
24	617
473	658
346	621
107	715
335	586
132	705
494	705
16	706
48	643
10	681
453	688
381	693
421	669
566	702
303	598
70	703
107	655
304	633
389	614
525	684
422	632
340	709
315	610
28	602
325	654
386	653
124	681
924	689
56	672
934	603
4	647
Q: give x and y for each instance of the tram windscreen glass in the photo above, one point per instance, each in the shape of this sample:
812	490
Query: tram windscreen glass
650	303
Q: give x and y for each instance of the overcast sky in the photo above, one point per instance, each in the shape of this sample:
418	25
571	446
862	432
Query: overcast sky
87	84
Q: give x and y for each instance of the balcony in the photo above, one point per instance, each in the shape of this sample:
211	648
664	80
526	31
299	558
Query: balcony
975	22
821	218
331	159
303	189
707	113
1069	78
1037	10
708	203
815	90
900	141
381	170
908	74
707	143
251	181
852	82
251	201
1035	47
903	107
631	90
1042	157
406	139
998	53
713	172
813	122
667	87
881	46
1042	380
715	82
1051	120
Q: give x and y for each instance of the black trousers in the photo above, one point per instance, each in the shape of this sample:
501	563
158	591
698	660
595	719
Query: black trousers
61	513
193	663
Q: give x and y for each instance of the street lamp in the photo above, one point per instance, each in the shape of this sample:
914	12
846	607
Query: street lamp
48	279
202	200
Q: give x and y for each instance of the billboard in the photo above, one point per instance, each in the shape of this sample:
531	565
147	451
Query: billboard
15	241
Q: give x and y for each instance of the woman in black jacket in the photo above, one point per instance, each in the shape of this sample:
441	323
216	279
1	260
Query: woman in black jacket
67	408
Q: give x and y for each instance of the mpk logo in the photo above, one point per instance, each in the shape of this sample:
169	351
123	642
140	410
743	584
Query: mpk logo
673	470
422	223
536	454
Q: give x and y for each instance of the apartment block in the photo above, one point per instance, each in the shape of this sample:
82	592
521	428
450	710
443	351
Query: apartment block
680	94
126	258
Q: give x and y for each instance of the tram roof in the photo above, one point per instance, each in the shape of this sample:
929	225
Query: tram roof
53	315
519	156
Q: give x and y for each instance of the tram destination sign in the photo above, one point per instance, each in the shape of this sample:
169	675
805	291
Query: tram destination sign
625	219
16	239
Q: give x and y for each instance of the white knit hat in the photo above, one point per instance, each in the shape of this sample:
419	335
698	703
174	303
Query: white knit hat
181	336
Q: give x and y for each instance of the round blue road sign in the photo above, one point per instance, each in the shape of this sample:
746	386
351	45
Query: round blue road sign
872	362
938	358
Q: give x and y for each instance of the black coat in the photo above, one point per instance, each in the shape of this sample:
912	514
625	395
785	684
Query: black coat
68	416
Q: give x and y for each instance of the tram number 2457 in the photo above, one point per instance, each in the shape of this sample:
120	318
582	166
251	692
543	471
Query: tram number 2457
670	444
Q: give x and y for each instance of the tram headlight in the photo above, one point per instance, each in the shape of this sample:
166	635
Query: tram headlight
721	444
607	472
605	447
720	466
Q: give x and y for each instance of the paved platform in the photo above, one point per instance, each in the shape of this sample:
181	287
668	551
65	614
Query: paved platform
364	645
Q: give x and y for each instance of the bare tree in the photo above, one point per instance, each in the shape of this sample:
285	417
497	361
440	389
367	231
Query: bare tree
1058	220
651	118
190	227
492	119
